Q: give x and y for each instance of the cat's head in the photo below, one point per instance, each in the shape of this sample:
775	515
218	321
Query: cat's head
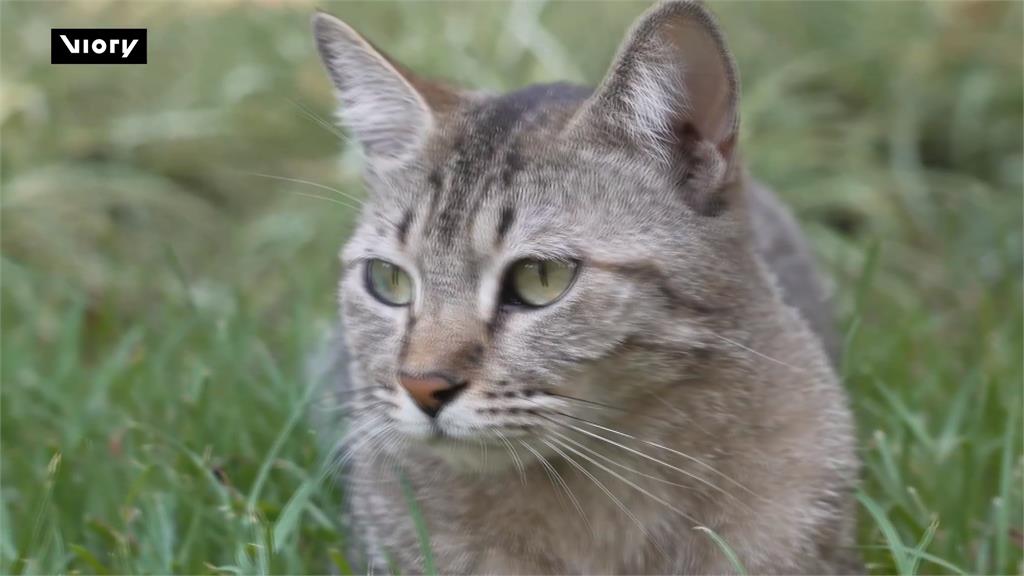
522	258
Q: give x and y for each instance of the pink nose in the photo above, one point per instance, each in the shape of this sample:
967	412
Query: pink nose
431	391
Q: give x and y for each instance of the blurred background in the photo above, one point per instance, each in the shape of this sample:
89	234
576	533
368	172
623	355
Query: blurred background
167	264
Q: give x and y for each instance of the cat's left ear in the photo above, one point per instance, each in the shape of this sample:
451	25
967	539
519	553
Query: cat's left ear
674	87
386	107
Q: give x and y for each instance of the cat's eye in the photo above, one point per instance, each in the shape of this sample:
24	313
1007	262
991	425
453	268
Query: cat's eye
537	283
388	283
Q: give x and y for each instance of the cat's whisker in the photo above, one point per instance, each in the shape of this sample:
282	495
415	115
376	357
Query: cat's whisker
483	449
349	408
389	437
630	483
324	198
462	441
359	389
546	466
353	400
650	458
339	459
316	118
693	459
364	421
400	443
557	479
515	455
359	445
359	426
358	201
331	466
695	423
345	450
610	407
756	353
643	474
625	509
645	455
384	446
373	449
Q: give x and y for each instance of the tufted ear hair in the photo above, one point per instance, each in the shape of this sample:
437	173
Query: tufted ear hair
387	108
673	87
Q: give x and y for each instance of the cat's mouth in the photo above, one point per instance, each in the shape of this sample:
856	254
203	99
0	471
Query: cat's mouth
437	435
443	434
485	453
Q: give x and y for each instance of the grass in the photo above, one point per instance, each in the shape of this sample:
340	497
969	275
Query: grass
159	300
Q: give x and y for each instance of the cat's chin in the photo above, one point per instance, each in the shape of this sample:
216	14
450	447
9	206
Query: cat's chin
470	456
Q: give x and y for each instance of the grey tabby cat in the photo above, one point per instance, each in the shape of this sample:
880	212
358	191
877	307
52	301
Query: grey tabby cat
575	332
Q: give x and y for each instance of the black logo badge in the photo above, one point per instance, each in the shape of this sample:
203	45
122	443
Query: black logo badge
98	46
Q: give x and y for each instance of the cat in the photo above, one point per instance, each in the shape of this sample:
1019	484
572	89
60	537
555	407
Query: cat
576	336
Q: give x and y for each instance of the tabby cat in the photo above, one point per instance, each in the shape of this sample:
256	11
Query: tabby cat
576	337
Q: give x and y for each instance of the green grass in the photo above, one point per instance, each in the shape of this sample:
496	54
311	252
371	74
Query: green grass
159	300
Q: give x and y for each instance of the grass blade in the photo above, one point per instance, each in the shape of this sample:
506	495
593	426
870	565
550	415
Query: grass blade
926	540
421	527
892	537
727	550
289	518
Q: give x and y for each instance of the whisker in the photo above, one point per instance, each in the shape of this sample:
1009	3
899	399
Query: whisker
347	445
644	455
486	452
390	438
689	421
360	444
344	451
755	352
683	471
348	400
515	456
607	492
344	409
557	478
627	468
359	389
544	464
666	448
358	201
324	198
313	116
610	407
381	435
630	483
483	449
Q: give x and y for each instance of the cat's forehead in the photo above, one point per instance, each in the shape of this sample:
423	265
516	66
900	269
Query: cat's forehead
501	178
492	160
495	145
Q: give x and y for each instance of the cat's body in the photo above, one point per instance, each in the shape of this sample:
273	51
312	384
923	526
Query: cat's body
669	389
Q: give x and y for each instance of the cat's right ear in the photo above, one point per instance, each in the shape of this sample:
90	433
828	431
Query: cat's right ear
673	87
385	107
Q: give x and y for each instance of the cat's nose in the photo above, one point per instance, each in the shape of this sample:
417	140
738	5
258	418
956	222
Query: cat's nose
431	391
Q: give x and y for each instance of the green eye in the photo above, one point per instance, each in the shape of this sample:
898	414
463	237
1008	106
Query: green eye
388	283
538	283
